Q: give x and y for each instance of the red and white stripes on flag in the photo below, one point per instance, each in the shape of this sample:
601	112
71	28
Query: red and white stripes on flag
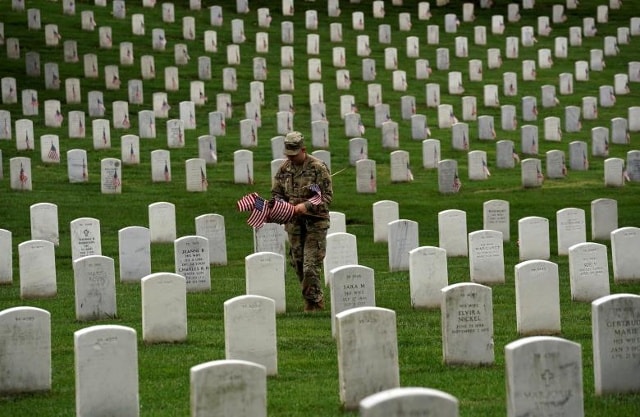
247	202
259	213
280	211
317	195
53	153
274	210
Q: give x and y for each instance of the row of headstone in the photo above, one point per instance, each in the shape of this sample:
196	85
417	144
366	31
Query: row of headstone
533	364
533	235
615	175
111	177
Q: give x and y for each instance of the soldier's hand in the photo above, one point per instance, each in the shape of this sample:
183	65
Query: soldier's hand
300	208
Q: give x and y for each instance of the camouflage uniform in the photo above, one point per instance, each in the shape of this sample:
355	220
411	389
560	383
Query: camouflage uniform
307	233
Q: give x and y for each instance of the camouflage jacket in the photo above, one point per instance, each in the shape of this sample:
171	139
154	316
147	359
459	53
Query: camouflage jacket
292	182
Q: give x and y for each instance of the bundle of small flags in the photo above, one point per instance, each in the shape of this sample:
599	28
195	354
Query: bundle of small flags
274	210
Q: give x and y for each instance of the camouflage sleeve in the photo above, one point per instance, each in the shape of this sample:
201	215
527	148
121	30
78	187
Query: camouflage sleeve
323	179
278	187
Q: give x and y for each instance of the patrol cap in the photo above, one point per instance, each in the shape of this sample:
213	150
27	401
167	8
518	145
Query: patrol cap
293	143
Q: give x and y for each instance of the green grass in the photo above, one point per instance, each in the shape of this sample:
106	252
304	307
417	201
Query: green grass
307	383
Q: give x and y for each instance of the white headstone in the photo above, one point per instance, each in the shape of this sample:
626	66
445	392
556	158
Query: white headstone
588	271
571	228
25	365
400	402
452	232
624	254
109	351
402	239
162	222
537	297
352	286
467	324
192	261
95	288
533	238
495	216
367	353
615	356
228	388
44	222
486	257
6	257
164	308
134	250
212	227
547	365
264	276
37	269
250	331
341	249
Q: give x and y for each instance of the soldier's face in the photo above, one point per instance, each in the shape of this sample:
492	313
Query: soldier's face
299	158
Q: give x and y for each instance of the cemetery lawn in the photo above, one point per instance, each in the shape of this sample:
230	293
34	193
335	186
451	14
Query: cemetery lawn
307	380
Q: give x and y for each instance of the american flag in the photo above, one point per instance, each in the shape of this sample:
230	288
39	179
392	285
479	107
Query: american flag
457	184
58	116
34	100
259	213
453	118
23	177
125	121
104	135
534	146
85	175
564	167
539	174
317	194
465	142
625	176
80	128
53	153
116	180
212	152
203	179
280	211
361	128
249	177
132	154
27	142
247	202
585	161
485	168
167	174
372	181
409	173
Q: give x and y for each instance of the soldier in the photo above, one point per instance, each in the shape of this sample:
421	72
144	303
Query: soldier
304	181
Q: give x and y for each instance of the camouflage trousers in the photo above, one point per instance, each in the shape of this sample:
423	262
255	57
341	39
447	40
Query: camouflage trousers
307	250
